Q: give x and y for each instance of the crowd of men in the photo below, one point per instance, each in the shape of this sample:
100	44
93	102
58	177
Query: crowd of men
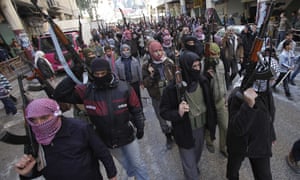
191	82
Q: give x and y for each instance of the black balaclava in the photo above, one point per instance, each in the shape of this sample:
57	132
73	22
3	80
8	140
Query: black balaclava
100	64
189	75
196	48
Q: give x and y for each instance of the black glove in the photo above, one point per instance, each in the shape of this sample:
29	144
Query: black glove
139	134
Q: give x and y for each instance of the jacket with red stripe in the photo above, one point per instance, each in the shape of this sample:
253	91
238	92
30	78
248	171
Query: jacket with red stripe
114	110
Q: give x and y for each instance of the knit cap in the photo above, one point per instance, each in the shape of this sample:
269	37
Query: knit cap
100	64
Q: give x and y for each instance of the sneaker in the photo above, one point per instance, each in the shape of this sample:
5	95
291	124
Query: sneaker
210	148
293	164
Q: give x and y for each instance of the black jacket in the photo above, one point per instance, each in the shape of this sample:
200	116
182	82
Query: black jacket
115	111
74	154
251	130
182	130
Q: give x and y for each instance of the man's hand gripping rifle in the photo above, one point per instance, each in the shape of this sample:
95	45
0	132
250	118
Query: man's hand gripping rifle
180	84
257	70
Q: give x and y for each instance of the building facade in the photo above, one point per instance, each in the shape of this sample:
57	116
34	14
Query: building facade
20	19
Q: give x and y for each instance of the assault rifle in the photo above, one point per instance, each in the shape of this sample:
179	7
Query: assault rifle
124	19
252	72
180	84
210	30
80	39
78	63
32	146
45	85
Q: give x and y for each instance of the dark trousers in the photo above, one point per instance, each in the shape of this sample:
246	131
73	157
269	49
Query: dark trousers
231	69
9	105
296	150
260	167
285	83
165	127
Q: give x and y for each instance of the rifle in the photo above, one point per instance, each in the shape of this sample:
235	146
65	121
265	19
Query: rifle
31	146
14	139
252	73
124	19
80	39
78	62
145	21
99	27
46	86
209	35
180	84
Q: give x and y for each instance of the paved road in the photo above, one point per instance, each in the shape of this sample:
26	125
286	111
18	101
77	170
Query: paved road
165	165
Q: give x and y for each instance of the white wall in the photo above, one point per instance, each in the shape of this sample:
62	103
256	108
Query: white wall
69	25
231	7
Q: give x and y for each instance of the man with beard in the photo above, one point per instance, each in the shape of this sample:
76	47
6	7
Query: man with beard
232	55
157	72
115	110
190	116
110	56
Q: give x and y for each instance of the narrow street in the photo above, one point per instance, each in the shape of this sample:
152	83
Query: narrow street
165	164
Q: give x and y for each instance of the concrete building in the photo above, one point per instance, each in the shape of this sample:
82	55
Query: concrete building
19	19
233	7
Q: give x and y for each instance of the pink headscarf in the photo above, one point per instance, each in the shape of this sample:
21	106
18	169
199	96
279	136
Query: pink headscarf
46	131
155	46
